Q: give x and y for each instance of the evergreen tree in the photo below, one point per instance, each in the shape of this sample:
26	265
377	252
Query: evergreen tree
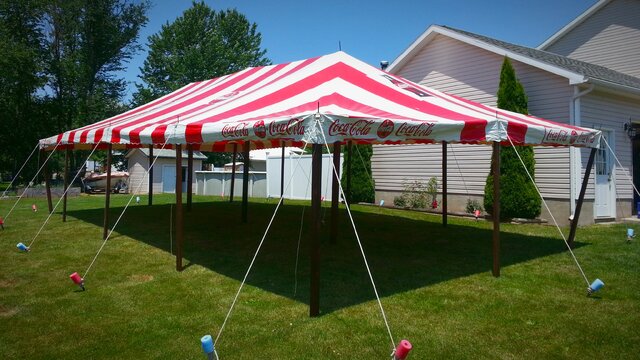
362	185
519	198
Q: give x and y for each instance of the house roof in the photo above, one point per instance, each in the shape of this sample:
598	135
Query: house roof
166	153
577	21
576	71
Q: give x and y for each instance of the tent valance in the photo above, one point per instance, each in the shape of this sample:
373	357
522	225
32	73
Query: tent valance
348	99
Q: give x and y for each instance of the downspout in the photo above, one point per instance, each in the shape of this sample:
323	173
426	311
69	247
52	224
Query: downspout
575	158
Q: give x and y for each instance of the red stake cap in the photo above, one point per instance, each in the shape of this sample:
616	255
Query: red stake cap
402	351
76	278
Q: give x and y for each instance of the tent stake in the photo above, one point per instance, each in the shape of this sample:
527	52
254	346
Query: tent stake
150	175
583	190
316	193
179	226
107	194
47	181
245	182
335	193
233	172
444	183
67	155
189	176
495	164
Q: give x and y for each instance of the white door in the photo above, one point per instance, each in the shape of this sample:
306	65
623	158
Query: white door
604	180
168	179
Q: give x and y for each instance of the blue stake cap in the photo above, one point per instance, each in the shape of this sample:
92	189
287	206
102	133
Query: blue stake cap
207	344
630	233
596	285
22	247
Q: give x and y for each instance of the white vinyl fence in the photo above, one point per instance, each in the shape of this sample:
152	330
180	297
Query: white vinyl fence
267	183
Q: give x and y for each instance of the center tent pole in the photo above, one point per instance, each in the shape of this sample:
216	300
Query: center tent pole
189	176
67	155
245	182
179	225
233	172
495	169
314	248
444	183
150	175
107	194
335	193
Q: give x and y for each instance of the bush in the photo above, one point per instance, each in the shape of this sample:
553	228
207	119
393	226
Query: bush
518	196
472	206
362	185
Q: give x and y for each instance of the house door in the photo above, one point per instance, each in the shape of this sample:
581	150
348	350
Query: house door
169	179
605	185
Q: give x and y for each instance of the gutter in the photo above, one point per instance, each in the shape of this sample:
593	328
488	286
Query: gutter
575	158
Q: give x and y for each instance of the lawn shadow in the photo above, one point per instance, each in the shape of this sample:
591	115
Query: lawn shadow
403	254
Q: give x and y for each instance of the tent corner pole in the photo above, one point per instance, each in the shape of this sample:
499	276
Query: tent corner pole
67	155
349	156
189	176
314	248
444	184
47	181
150	175
583	190
179	215
495	169
335	193
282	174
245	181
107	194
233	172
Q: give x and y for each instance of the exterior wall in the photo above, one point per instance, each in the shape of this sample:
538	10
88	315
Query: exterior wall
457	68
457	203
610	38
610	112
138	165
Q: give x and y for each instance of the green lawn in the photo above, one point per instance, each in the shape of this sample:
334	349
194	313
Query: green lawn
435	283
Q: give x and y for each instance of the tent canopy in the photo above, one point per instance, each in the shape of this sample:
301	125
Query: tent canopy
334	97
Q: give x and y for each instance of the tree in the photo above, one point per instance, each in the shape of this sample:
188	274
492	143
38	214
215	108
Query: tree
362	184
20	77
519	197
199	45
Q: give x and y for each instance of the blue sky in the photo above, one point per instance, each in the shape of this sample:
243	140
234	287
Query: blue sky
373	30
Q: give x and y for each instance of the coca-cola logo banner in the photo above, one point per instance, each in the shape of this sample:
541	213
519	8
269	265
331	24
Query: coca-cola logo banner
565	137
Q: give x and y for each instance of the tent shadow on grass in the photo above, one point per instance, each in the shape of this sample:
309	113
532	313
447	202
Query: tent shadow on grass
403	254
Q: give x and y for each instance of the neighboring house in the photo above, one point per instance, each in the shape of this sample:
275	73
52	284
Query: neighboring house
558	88
607	34
164	170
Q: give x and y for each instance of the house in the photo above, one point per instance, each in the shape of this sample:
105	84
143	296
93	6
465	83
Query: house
164	174
560	87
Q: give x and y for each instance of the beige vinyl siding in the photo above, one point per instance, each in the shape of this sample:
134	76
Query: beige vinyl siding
138	165
464	70
607	112
610	38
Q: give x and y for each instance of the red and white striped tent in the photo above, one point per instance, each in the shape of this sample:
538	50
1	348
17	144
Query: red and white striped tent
329	99
344	97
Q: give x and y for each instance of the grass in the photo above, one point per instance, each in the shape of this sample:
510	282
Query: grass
435	283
